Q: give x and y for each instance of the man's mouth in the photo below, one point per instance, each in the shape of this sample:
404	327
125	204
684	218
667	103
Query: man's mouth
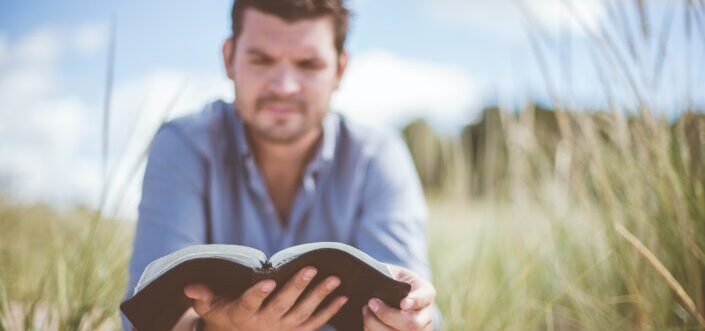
282	110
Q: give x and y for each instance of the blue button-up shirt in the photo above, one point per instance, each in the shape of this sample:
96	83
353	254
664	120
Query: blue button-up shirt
202	185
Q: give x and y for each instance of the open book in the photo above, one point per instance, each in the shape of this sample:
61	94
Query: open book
159	301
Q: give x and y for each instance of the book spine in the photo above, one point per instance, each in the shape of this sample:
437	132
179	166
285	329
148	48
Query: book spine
266	267
263	272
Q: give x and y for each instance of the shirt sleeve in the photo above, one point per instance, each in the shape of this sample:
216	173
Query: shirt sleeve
393	214
172	208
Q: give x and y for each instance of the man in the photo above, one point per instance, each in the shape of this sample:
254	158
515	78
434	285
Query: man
277	169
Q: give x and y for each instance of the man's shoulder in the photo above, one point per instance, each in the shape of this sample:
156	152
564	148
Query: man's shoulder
202	128
209	119
368	139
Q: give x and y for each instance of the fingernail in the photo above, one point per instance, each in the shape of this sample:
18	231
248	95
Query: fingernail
332	283
407	303
192	291
374	305
268	287
343	301
308	274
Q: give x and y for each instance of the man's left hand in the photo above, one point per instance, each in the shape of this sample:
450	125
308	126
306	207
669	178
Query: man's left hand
416	311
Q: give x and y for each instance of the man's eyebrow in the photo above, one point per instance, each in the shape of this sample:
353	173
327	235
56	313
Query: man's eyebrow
257	52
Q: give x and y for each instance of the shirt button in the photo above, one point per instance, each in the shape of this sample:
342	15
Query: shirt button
309	184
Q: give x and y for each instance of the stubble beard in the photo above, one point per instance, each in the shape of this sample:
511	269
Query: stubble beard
282	131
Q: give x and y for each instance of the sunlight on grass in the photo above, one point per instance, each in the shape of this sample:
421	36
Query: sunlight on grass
540	219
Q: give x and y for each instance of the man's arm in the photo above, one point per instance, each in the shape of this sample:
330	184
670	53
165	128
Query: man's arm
172	216
171	212
392	218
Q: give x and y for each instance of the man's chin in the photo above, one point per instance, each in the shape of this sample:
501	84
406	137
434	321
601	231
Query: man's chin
280	136
281	131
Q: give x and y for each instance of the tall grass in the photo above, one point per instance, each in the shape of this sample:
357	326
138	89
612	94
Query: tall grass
606	235
539	220
596	225
57	272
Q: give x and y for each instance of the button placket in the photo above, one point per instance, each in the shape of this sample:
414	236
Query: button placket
302	207
270	216
309	184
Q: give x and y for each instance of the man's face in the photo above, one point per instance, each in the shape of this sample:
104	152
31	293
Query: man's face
284	74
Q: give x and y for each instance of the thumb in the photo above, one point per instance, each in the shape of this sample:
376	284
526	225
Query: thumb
201	296
422	295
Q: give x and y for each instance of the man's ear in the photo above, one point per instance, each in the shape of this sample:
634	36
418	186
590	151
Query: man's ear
342	66
228	56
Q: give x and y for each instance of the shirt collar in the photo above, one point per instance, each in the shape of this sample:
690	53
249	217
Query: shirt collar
325	150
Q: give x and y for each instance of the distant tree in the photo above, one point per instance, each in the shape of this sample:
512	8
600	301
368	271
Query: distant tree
426	150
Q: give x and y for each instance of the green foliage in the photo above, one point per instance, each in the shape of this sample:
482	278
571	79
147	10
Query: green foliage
60	271
543	250
542	219
539	253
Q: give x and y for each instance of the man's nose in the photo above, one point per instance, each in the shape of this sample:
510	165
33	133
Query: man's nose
285	82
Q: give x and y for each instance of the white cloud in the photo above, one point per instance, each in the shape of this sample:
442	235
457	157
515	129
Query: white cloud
41	46
504	17
43	138
42	132
61	124
381	88
51	147
90	38
22	83
25	171
47	44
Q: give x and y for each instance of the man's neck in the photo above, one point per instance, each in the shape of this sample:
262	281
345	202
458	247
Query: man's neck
290	156
282	167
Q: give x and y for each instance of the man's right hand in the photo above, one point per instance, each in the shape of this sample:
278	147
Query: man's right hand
247	312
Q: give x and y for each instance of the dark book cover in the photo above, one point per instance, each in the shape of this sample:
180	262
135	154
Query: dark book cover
228	270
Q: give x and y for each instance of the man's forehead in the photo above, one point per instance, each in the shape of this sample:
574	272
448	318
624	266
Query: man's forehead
271	34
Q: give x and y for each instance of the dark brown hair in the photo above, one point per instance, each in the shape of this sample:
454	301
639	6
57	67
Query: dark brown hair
295	10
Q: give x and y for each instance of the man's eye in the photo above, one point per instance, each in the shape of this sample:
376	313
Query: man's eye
261	61
310	64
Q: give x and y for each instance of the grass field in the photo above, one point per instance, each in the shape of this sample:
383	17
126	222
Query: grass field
600	226
611	240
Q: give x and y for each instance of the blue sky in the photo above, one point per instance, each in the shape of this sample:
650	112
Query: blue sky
438	59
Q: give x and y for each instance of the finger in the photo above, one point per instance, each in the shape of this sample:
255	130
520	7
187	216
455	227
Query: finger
400	319
308	305
422	295
370	322
201	297
324	315
286	298
251	300
422	291
186	320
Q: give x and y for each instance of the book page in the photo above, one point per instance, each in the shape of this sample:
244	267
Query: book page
286	254
244	255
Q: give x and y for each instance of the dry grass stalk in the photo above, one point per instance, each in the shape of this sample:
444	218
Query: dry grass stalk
662	271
